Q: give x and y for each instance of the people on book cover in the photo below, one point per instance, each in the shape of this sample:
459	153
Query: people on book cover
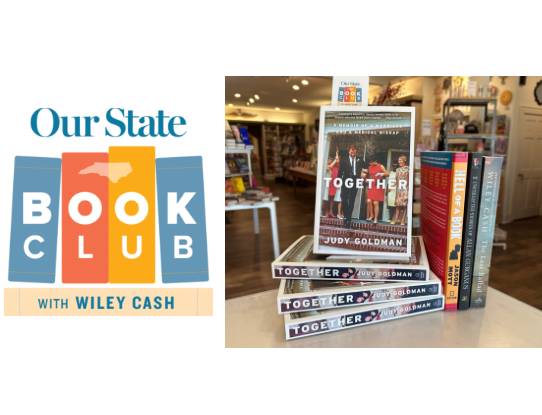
352	167
401	194
376	193
353	210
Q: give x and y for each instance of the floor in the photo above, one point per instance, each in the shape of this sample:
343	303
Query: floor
516	271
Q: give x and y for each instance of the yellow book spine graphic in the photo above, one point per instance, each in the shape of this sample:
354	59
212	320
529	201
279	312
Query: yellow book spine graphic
132	215
455	229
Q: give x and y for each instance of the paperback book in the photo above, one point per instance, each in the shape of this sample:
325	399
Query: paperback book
300	262
364	181
444	179
489	196
472	205
309	323
310	295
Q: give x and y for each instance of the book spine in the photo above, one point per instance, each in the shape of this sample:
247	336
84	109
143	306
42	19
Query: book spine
350	273
181	219
295	303
85	248
367	316
34	219
469	229
486	228
455	228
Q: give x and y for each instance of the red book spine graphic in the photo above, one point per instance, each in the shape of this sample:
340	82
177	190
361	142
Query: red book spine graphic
85	223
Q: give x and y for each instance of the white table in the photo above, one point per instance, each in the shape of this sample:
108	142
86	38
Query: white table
252	321
273	213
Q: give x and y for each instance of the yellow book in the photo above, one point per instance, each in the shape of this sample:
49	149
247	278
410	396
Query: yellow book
238	184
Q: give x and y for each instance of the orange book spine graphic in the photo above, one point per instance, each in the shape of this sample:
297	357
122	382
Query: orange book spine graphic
455	229
85	219
132	215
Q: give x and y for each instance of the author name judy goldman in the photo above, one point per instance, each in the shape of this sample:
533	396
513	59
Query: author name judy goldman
364	241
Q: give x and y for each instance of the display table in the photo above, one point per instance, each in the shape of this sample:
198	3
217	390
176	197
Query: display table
273	214
302	174
252	321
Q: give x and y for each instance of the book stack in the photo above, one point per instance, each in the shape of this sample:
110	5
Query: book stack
458	213
231	144
322	293
237	195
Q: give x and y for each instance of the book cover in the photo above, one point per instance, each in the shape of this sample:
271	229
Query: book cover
470	224
300	261
491	177
232	164
309	295
238	185
227	171
241	164
229	186
244	135
309	323
444	179
358	149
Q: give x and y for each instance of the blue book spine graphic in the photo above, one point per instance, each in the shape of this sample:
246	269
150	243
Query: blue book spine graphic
181	218
34	219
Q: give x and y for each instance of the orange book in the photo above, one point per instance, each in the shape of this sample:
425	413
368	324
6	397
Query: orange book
85	250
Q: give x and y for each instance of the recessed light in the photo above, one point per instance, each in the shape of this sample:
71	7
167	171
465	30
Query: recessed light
257	96
294	100
248	103
251	101
277	109
305	82
237	95
230	105
295	87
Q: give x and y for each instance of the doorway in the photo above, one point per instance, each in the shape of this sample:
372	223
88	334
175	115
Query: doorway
528	166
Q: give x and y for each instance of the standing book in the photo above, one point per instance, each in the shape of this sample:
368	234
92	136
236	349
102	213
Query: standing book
444	179
491	178
472	206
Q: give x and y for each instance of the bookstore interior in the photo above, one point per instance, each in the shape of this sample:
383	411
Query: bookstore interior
352	201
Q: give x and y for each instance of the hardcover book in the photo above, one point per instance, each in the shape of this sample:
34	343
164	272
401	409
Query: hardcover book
444	180
300	262
310	295
364	186
309	323
474	178
491	177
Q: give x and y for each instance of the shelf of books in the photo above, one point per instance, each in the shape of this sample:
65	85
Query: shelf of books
284	146
360	267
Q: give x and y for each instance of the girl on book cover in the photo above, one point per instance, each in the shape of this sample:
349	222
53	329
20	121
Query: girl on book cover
375	194
401	194
392	192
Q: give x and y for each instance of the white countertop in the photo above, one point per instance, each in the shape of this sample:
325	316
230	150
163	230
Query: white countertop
253	321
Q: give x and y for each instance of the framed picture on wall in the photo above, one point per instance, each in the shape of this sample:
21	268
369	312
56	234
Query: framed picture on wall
365	181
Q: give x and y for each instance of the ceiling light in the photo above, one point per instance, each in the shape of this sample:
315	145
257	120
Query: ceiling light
248	103
294	100
295	87
277	109
230	105
237	95
257	96
251	100
305	82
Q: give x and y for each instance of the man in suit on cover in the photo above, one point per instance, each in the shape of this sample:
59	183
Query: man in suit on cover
351	167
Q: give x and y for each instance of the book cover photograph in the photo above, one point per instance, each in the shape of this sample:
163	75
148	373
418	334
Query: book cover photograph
310	295
309	323
444	181
365	181
300	262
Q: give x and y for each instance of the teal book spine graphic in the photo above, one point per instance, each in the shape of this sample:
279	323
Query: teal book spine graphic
34	219
489	196
181	218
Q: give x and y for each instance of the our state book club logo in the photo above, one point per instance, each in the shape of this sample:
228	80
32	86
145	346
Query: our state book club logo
108	218
349	94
